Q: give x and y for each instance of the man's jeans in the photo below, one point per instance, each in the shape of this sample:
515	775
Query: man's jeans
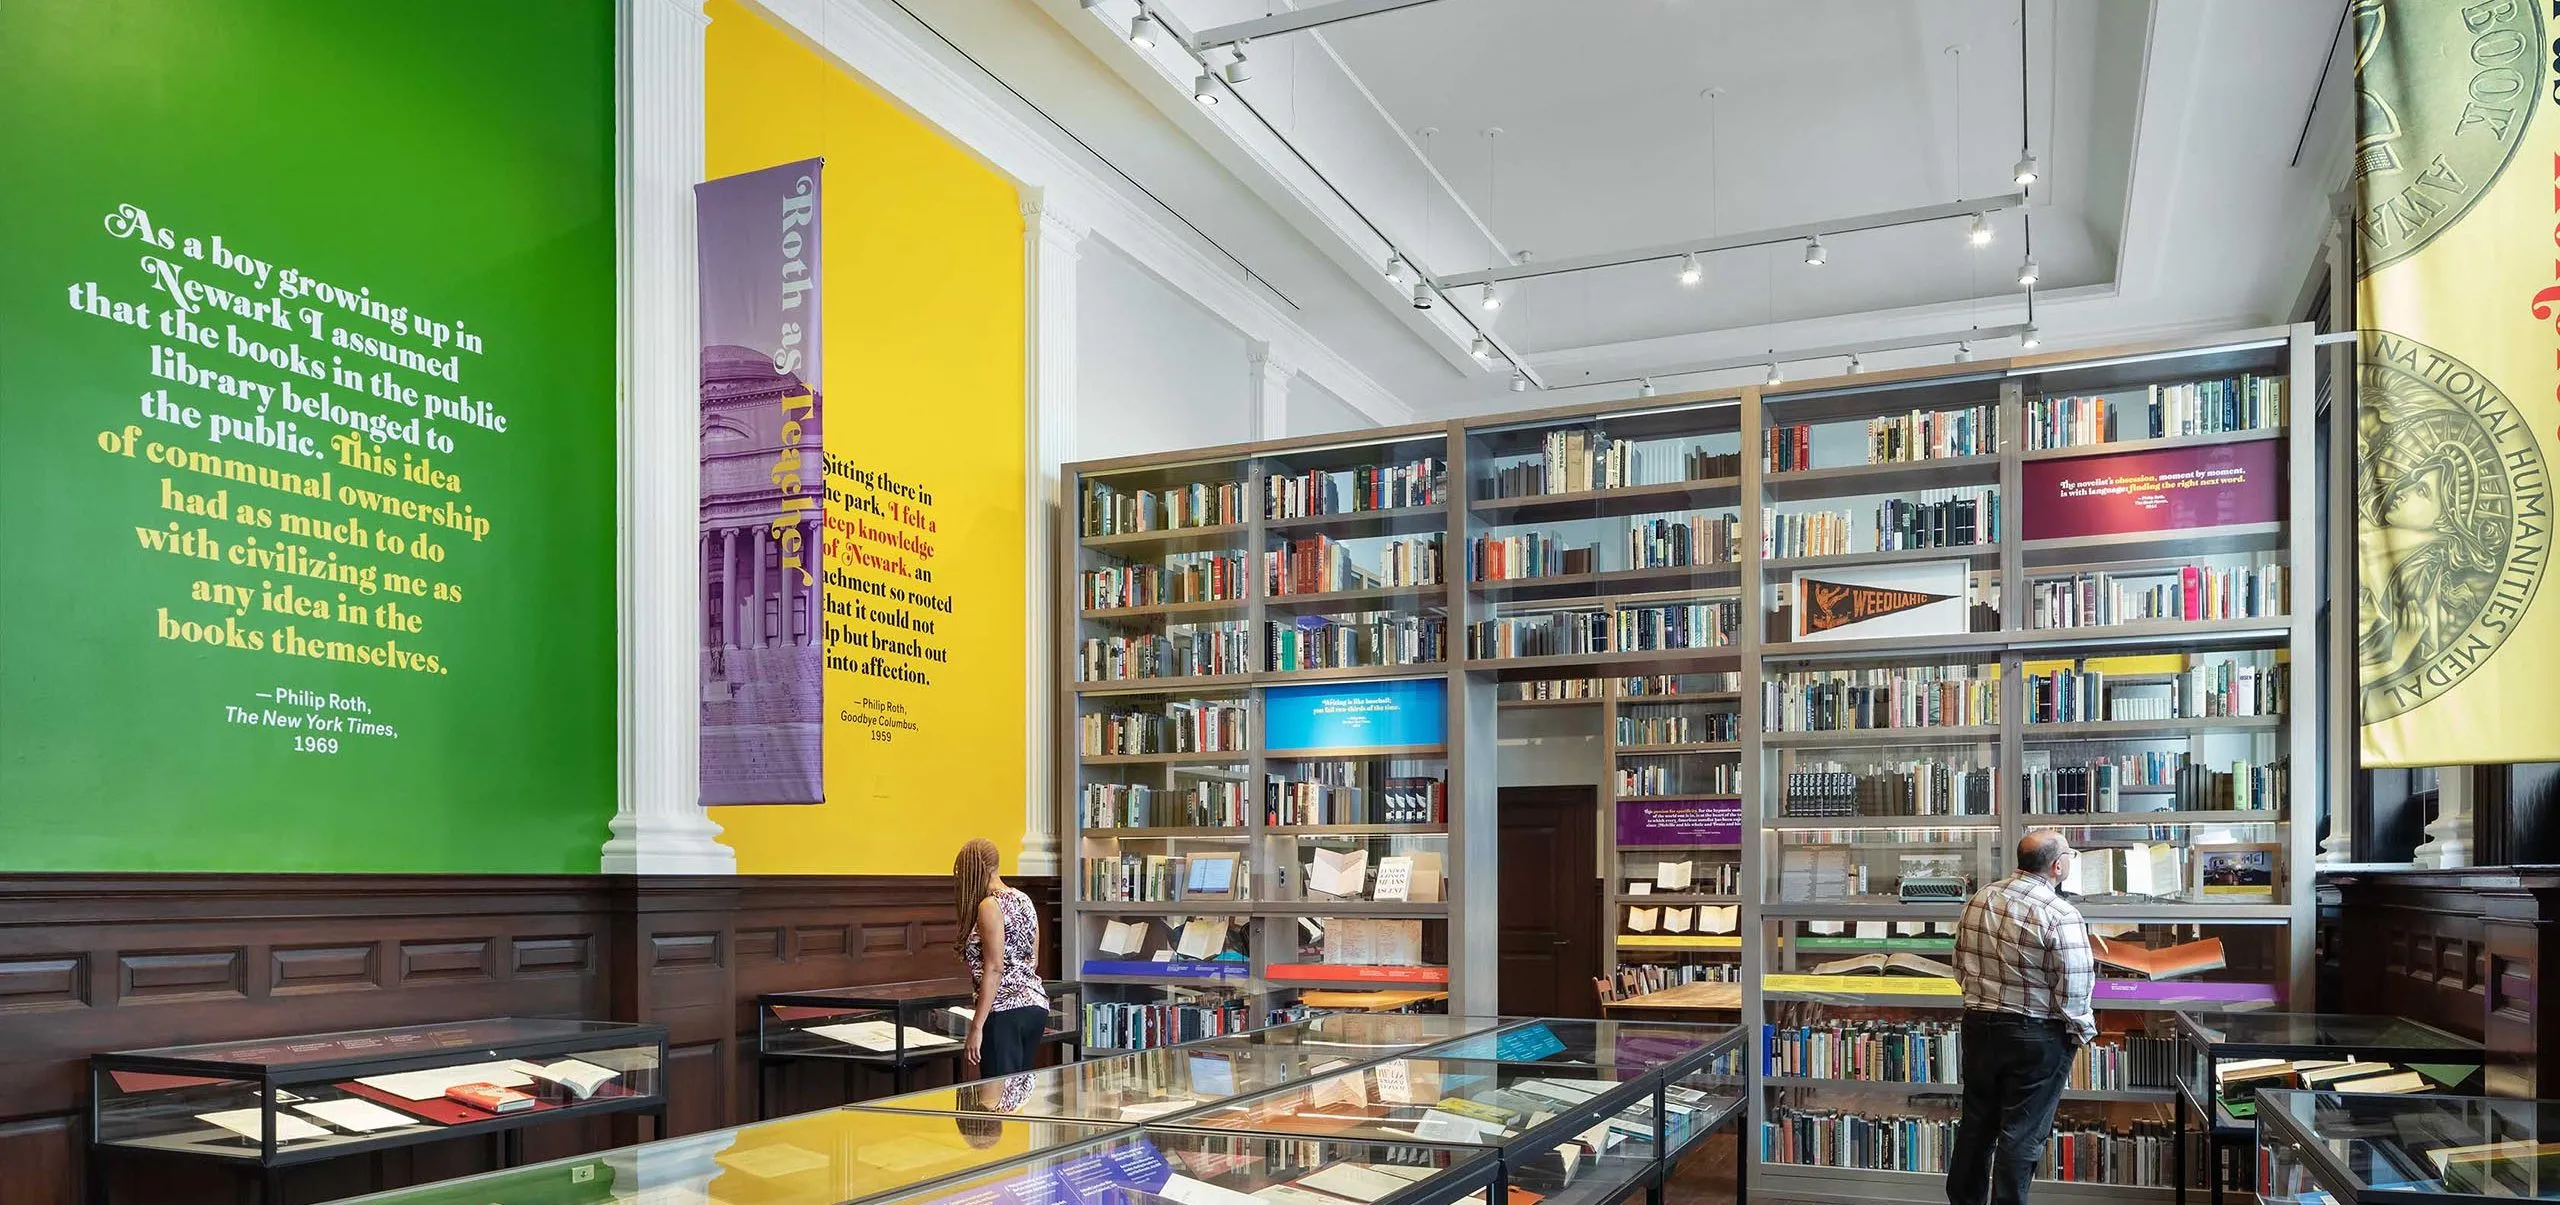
2014	1069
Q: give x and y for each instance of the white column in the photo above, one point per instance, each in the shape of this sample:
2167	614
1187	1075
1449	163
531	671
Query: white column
1053	243
659	826
2448	844
1269	376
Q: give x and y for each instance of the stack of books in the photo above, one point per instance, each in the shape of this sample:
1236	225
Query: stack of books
1419	482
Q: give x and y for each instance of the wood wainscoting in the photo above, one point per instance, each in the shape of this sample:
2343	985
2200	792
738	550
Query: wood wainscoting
119	962
2462	950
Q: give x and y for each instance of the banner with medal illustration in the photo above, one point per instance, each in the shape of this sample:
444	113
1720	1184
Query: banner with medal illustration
2457	380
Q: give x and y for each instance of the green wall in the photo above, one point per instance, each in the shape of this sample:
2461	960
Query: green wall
452	158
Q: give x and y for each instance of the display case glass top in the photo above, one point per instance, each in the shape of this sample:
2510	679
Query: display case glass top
1637	1045
2225	1060
2287	1030
822	1158
1360	1035
256	1056
1160	1164
1129	1088
2375	1149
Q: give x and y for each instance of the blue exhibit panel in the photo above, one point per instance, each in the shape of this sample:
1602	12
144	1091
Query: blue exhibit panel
1336	719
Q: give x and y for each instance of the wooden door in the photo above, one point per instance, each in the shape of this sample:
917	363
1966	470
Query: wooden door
1550	936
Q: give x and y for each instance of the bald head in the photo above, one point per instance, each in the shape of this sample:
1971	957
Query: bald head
2039	850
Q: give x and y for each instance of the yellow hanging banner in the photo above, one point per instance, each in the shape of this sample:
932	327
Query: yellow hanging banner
2457	380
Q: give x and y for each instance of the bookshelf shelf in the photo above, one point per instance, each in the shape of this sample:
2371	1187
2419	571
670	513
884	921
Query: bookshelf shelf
1165	686
1600	589
1980	556
1164	832
1172	539
1377	908
2197	633
1797	824
1631	663
1525	704
1679	941
2110	1095
1850	481
1210	609
1166	759
1689	747
1944	734
1809	651
2151	730
1353	673
1160	908
1398	521
1623	502
1357	830
1350	600
1673	898
2097	552
2139	819
1677	797
2154	445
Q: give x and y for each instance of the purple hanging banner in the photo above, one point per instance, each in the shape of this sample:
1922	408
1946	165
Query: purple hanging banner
763	487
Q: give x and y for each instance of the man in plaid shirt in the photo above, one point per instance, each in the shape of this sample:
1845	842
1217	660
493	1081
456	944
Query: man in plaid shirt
2022	954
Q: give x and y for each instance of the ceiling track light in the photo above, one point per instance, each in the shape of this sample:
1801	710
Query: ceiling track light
1205	89
2027	273
1519	382
1237	72
1775	377
1855	366
1492	299
1422	294
1644	387
1142	29
1980	235
1090	5
1395	267
2025	172
1691	271
1482	348
1814	255
1964	353
2030	337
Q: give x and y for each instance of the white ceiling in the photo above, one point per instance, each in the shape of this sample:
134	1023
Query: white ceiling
2171	198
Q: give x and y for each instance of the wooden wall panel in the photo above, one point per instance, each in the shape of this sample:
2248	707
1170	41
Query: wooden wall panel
2461	950
110	962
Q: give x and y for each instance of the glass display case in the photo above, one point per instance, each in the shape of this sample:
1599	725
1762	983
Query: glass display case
1359	1035
2330	1148
1128	1088
821	1158
2223	1061
1590	1132
892	1026
1159	1164
1704	1079
268	1103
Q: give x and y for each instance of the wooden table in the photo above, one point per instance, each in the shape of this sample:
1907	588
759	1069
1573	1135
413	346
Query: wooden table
1685	997
1368	1002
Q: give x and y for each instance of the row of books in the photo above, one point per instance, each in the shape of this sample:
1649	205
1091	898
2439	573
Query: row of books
2098	788
1649	686
1205	804
1422	482
1675	777
1677	728
1573	461
1675	542
1146	1026
1632	979
1920	787
1936	519
1323	565
1519	557
1147	878
1404	799
1188	577
1112	512
1932	1052
2246	402
1924	696
1185	726
1342	642
2239	685
1663	627
2190	593
1933	435
1555	690
2140	1154
1180	651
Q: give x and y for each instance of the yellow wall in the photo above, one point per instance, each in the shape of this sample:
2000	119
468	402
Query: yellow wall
924	379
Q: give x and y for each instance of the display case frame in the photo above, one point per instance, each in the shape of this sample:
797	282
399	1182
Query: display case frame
2204	1045
912	1004
2302	1128
269	1066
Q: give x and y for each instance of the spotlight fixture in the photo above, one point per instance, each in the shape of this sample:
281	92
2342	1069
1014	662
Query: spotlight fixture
1205	89
1813	252
2030	337
1092	4
1981	233
1690	270
1422	294
1644	387
1482	348
1237	71
2027	273
1395	267
1519	382
1142	29
1492	299
2025	172
1964	353
1775	377
1854	366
